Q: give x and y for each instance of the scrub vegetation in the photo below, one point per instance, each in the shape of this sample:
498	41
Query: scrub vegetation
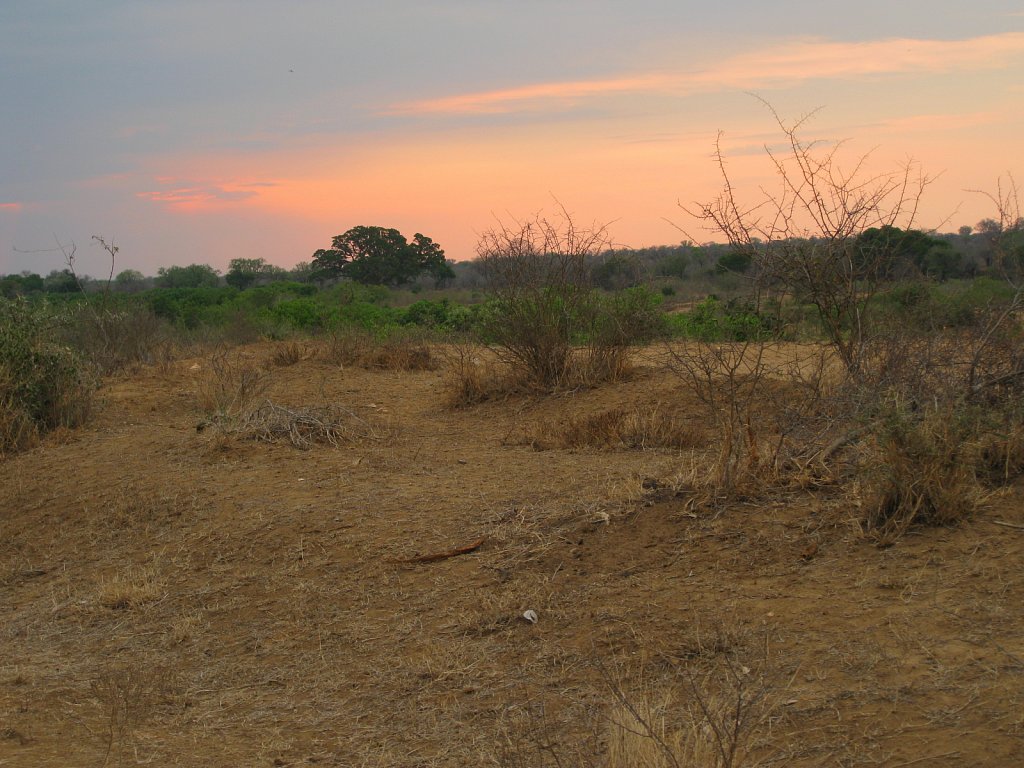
751	502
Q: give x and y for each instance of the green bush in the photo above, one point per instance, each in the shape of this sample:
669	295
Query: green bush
44	384
715	320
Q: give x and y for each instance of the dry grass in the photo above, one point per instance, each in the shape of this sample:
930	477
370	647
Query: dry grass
921	474
289	353
17	431
125	698
474	376
229	385
477	374
130	588
1001	453
306	426
296	638
397	351
630	428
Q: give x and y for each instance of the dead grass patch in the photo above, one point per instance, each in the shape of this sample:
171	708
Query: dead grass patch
1001	453
716	718
478	374
630	428
397	351
135	505
475	376
17	431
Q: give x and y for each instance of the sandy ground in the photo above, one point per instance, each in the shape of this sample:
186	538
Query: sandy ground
174	596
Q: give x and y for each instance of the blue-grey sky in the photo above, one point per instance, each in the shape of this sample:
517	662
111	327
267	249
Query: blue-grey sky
205	131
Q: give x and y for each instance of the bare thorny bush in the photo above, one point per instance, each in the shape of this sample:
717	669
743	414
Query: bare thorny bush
803	238
909	399
538	274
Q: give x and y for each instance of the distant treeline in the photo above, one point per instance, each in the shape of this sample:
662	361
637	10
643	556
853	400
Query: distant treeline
966	253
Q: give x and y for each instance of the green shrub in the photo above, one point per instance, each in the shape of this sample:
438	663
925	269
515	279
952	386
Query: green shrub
44	384
715	320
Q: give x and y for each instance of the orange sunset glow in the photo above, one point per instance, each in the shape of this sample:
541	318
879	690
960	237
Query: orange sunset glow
205	151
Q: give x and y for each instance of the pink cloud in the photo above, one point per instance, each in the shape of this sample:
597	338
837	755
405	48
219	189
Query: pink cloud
196	196
791	62
11	207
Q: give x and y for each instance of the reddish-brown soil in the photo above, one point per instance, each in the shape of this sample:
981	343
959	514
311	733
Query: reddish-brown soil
172	596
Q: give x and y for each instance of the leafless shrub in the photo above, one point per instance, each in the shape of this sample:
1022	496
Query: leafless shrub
539	275
728	379
804	237
1007	234
631	428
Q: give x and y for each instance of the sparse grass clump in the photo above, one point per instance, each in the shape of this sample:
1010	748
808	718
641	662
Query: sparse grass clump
920	473
397	350
288	353
630	428
229	386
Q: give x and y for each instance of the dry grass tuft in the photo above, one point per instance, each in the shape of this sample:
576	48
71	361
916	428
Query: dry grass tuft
716	720
17	430
229	386
1001	454
632	428
474	376
398	351
920	475
130	588
289	353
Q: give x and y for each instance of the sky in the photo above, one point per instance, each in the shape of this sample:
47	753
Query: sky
199	131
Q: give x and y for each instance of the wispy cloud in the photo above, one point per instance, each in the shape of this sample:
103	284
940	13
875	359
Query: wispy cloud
941	121
788	63
192	196
11	207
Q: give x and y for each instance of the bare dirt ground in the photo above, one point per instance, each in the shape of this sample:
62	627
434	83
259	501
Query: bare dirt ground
174	597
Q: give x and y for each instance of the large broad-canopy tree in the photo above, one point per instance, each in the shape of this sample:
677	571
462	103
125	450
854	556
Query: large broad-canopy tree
380	256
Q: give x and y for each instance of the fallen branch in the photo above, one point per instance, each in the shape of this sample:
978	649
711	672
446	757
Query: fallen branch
443	555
